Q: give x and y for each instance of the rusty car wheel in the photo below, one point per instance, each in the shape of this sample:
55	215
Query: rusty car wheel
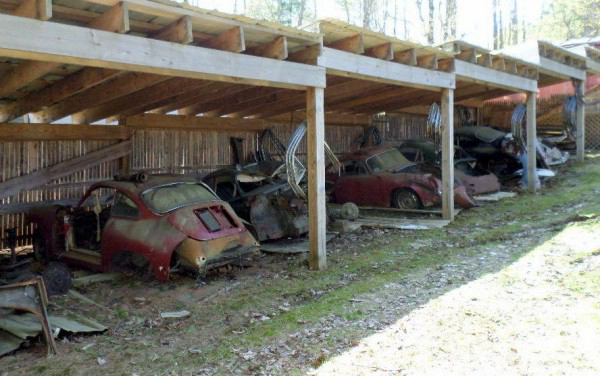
406	199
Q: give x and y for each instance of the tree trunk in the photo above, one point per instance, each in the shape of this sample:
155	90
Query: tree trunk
451	17
515	24
495	16
430	38
302	10
501	31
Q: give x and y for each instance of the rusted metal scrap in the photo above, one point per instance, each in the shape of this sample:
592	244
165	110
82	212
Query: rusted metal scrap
29	296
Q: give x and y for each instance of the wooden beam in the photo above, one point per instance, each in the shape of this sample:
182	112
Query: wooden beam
330	119
40	177
306	55
559	70
580	114
427	61
353	44
137	99
447	65
177	32
499	63
70	85
408	57
447	109
467	55
190	98
317	216
213	101
485	60
383	51
30	71
276	49
356	66
38	9
532	178
116	19
53	132
24	38
23	74
182	122
117	87
486	76
231	40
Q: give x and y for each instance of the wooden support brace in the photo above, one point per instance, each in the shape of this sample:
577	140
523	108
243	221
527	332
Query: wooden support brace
116	19
408	57
231	40
531	142
308	55
383	51
276	49
315	141
447	109
427	61
511	67
179	31
522	70
353	44
38	9
40	177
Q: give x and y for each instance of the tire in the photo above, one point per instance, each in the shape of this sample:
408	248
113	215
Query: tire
57	278
406	199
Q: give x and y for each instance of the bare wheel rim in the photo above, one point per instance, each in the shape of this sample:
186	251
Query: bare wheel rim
407	200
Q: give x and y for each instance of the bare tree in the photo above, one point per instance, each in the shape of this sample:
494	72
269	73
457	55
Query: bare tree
301	14
395	17
368	13
451	10
430	37
346	5
514	25
501	31
495	16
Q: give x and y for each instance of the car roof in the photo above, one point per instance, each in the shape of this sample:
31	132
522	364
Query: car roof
365	153
153	181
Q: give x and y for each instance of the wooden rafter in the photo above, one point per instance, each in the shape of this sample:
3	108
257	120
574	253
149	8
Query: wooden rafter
61	132
353	44
276	49
383	51
231	40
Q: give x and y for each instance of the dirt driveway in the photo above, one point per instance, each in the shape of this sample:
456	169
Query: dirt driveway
511	287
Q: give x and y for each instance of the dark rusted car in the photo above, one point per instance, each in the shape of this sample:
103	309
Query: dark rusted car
166	220
261	196
382	176
467	170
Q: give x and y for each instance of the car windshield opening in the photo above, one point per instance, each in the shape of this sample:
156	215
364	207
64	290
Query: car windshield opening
391	161
165	198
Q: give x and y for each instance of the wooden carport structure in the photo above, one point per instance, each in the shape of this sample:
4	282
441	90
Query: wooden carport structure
483	75
90	60
556	64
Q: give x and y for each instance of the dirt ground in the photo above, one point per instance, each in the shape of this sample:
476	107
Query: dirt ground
512	287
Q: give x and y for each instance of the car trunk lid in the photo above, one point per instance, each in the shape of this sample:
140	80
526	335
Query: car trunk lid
205	222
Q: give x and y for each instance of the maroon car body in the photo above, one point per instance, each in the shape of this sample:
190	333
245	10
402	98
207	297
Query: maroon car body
165	220
382	176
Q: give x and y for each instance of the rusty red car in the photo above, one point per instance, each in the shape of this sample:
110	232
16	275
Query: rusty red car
163	221
382	176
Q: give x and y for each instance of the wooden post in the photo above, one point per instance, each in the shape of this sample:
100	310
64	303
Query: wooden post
580	124
123	162
447	153
531	141
315	116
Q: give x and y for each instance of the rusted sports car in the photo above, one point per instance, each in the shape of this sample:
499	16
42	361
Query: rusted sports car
467	171
163	220
382	176
260	195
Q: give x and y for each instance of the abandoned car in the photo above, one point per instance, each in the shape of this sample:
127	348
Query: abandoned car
261	196
382	176
467	170
164	220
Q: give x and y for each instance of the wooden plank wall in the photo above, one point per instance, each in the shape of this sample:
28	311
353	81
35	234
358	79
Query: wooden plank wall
21	158
161	151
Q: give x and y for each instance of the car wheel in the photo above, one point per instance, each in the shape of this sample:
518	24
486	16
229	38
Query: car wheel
57	278
406	199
